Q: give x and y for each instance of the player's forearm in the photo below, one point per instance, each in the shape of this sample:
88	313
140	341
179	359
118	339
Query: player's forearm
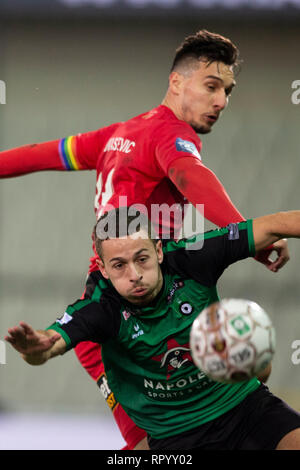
36	359
30	158
270	228
201	186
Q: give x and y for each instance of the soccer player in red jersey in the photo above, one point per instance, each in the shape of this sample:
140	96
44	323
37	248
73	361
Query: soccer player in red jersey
152	159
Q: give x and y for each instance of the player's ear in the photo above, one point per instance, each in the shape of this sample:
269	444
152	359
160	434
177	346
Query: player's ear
159	251
101	267
175	82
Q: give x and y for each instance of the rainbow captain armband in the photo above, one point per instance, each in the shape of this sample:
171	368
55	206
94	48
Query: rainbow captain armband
67	152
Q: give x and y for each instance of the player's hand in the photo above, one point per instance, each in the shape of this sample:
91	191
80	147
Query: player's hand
28	341
283	255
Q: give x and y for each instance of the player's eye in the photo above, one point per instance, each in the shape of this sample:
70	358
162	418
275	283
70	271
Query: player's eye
143	259
118	266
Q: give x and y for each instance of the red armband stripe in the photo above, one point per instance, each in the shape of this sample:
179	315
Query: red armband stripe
67	152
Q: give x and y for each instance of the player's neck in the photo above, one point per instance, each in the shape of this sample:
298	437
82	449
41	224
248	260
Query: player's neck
169	103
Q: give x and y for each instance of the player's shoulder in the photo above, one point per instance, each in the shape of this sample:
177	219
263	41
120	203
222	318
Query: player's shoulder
204	256
109	129
97	135
192	242
99	289
201	242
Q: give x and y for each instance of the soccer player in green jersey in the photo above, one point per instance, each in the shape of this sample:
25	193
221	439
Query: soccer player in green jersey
140	306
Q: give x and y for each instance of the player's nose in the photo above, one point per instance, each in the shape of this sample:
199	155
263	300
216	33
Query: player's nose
221	100
134	273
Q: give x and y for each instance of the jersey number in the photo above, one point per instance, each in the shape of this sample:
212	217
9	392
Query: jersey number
103	193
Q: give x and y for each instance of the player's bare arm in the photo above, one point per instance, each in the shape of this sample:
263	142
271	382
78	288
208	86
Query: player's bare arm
270	228
35	346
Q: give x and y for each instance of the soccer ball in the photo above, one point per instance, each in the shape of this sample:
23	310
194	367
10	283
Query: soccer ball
232	340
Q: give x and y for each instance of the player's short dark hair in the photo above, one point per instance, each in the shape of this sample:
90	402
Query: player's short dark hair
207	46
122	222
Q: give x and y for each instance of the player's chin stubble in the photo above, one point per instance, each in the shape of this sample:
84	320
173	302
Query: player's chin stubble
201	129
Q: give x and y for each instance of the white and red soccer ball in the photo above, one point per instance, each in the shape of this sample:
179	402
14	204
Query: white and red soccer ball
232	340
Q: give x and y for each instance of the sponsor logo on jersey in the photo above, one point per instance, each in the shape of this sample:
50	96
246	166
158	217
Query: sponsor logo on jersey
177	284
64	319
175	357
181	388
187	146
138	331
106	392
119	144
126	315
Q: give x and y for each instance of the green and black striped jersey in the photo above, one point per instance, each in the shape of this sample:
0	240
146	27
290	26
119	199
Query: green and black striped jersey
146	350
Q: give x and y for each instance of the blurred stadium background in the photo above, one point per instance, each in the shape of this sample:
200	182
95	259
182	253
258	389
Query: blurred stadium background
71	66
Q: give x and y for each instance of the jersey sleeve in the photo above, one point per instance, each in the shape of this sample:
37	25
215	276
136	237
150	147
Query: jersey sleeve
79	152
30	158
204	257
175	142
204	190
177	150
87	320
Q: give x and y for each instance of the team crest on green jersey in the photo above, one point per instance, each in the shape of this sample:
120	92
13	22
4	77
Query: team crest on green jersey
175	357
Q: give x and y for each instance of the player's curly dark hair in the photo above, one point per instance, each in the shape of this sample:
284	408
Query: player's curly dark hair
208	46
